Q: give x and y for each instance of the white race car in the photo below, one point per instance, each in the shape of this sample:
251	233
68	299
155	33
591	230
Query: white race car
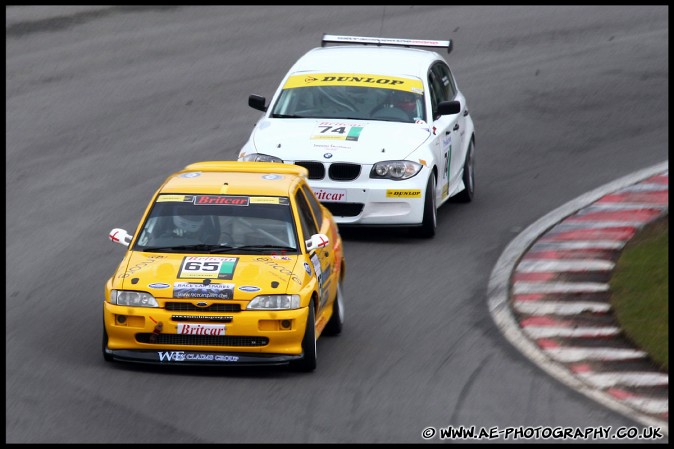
381	126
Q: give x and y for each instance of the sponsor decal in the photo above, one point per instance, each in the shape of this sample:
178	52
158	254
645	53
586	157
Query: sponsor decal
215	330
265	200
249	288
220	200
330	146
138	266
174	198
413	193
159	285
196	290
205	267
224	319
317	268
330	194
322	276
272	176
355	79
445	190
280	268
281	257
190	175
337	131
307	268
182	356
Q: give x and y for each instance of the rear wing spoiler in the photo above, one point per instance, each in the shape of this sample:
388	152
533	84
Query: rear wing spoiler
379	41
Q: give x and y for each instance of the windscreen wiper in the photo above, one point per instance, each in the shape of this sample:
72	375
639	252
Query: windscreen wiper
229	249
197	247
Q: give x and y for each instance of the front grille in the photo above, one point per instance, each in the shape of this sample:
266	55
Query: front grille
189	307
341	171
344	209
201	340
316	169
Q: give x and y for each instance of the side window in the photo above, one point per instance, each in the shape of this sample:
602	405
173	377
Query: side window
315	205
435	94
309	227
445	81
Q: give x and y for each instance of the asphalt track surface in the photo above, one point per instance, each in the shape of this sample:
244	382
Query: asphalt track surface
103	102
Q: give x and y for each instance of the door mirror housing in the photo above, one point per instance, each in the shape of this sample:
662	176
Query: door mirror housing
120	236
448	107
257	102
317	241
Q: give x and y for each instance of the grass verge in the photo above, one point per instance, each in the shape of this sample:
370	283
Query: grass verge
639	290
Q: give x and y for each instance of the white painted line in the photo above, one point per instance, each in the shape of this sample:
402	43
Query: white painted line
559	308
627	379
567	355
648	405
558	265
621	207
645	187
569	332
576	225
559	287
580	244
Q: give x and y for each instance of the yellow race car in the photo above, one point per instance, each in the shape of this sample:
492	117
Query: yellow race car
233	263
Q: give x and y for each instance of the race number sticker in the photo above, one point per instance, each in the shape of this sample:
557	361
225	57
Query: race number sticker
337	131
199	267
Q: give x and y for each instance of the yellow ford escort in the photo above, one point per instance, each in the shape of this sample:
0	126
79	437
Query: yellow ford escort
233	263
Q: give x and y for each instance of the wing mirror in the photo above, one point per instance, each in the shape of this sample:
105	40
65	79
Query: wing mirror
120	236
449	107
257	102
317	241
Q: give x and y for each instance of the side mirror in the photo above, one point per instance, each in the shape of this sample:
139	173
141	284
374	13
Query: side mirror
448	107
257	102
120	236
317	241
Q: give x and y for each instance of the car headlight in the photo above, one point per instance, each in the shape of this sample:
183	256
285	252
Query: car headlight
274	302
396	170
132	298
259	157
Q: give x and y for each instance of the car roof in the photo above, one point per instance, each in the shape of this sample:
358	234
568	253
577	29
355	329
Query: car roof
367	59
235	178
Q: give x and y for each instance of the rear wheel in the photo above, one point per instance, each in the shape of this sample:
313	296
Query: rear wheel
334	326
430	220
466	195
308	361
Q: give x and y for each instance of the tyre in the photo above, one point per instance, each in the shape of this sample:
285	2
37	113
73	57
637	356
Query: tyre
466	195
308	361
430	220
334	326
107	357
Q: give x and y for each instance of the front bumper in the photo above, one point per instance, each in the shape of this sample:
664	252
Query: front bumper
376	202
198	358
249	337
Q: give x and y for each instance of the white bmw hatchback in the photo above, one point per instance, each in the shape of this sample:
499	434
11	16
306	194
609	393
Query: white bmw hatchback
381	126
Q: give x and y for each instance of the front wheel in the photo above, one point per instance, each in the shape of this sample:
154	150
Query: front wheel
308	361
107	357
430	220
334	326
